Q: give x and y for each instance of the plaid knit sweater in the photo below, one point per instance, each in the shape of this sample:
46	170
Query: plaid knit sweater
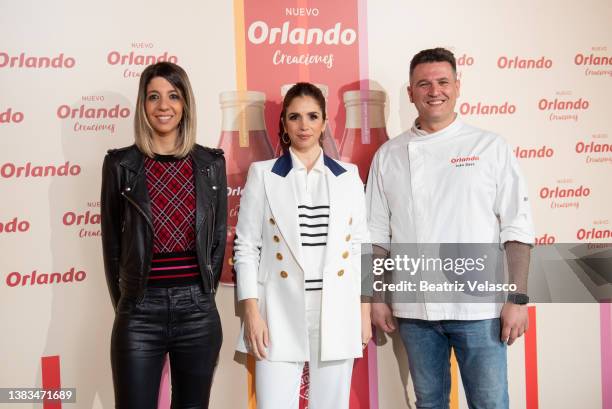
171	186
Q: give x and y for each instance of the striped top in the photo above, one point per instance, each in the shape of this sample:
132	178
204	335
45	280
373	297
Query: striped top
174	269
313	224
171	187
313	216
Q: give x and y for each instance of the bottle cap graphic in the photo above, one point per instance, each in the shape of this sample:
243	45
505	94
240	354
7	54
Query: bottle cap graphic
365	109
324	89
244	139
243	112
365	129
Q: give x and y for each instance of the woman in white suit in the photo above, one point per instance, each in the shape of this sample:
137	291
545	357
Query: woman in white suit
297	257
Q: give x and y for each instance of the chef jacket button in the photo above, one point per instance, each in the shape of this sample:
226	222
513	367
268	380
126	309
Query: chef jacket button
348	237
279	256
272	221
276	238
345	254
284	274
341	273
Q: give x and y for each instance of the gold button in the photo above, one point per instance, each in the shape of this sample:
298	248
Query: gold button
276	238
230	261
345	254
272	221
279	256
348	237
284	274
341	273
351	221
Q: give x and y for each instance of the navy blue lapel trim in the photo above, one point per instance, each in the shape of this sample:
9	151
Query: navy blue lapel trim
284	164
334	166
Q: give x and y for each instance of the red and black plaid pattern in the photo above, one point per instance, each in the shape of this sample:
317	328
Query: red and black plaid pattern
172	192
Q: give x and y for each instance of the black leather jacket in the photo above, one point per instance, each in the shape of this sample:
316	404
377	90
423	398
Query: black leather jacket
127	226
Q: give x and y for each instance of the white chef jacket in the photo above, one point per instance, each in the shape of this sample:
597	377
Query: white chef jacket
458	185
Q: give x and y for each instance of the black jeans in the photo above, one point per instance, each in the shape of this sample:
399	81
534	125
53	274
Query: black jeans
181	321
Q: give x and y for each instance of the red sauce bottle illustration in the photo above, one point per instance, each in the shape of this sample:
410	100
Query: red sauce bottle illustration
244	139
329	143
365	129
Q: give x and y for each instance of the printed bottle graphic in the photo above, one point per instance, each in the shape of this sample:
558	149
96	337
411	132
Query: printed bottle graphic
329	143
244	140
365	129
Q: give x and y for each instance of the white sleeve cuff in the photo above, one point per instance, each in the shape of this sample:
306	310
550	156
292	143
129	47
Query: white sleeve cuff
514	235
246	282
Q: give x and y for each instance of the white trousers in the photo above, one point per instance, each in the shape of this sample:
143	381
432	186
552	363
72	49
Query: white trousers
278	383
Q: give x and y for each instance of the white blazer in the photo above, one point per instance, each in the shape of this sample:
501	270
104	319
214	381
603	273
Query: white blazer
270	267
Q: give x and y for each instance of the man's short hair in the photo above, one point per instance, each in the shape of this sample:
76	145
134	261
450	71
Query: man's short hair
438	54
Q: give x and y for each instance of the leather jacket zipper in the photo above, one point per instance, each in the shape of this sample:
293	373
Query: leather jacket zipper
139	209
199	225
210	174
210	238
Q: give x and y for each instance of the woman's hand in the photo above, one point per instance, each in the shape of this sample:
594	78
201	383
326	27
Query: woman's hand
255	330
366	325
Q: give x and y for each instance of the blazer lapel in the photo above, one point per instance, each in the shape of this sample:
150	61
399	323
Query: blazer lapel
338	203
283	204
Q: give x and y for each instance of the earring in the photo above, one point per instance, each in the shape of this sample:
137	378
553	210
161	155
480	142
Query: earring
286	141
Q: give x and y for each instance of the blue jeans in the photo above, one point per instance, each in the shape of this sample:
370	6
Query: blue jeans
480	354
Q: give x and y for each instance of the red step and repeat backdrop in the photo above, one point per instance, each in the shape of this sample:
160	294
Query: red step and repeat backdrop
538	74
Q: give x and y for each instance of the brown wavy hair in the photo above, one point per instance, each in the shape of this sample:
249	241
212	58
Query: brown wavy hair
301	89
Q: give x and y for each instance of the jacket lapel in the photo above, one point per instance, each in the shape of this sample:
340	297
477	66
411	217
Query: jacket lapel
337	210
135	189
283	204
203	174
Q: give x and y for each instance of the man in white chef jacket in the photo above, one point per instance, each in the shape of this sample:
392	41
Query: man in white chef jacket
444	181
